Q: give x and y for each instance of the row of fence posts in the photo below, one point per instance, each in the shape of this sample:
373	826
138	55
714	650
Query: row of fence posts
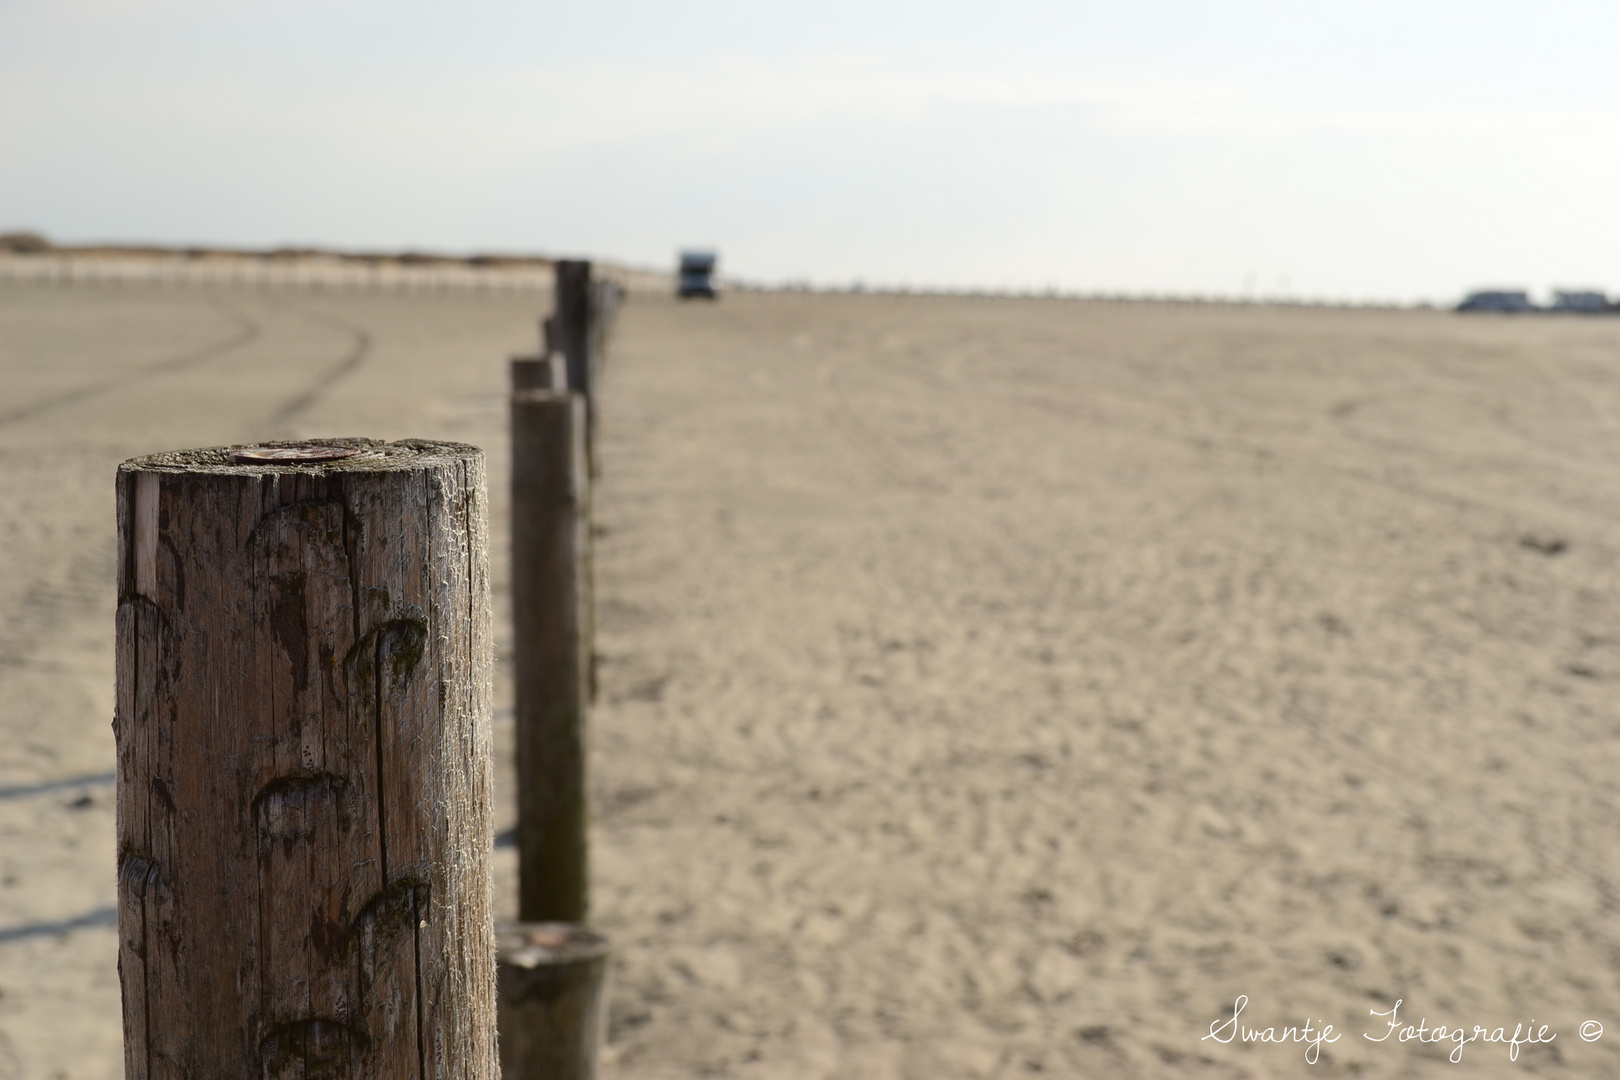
552	968
304	689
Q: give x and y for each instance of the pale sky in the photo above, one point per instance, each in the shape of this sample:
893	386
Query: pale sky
1363	150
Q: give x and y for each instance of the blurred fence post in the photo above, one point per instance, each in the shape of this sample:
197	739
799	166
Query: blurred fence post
553	990
551	971
551	632
304	762
582	316
571	327
606	297
548	335
547	372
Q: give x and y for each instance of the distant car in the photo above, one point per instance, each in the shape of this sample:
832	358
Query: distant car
1586	301
696	277
1497	300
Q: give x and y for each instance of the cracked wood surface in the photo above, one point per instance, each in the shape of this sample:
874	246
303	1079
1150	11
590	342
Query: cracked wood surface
304	823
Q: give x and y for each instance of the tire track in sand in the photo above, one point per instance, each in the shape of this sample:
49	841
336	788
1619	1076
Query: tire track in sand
31	621
280	422
48	605
247	331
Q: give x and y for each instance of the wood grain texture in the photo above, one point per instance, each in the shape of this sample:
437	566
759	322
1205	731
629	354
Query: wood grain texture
304	765
551	632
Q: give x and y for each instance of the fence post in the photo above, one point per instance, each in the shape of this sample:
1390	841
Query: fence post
606	297
551	970
548	372
553	1000
571	326
550	626
304	762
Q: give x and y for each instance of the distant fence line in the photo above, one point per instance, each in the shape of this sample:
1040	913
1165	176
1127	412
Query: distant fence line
265	274
357	276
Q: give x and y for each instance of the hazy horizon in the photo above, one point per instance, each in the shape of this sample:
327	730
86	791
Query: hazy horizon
1262	151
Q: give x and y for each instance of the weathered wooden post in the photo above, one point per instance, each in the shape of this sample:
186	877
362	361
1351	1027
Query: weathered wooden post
606	298
546	372
550	372
571	326
582	314
553	1000
551	974
550	626
304	763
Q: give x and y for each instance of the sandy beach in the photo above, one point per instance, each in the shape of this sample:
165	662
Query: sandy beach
989	687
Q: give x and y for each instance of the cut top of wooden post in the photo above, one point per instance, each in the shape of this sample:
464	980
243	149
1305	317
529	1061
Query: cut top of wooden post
304	762
307	457
548	372
531	945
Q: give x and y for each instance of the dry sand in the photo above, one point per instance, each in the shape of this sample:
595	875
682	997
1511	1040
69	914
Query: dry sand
990	688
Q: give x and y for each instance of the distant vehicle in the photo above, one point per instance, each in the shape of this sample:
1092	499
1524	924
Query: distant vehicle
1586	301
696	277
1497	300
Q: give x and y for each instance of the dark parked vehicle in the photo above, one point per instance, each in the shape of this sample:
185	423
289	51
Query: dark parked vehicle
1497	300
1585	301
696	277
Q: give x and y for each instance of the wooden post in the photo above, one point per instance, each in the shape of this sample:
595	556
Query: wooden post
547	372
571	325
304	763
606	298
583	313
553	994
551	626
